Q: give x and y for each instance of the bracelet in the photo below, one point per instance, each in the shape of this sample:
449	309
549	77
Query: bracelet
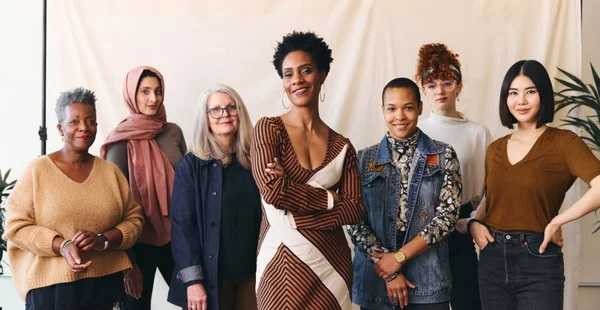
392	277
63	245
471	221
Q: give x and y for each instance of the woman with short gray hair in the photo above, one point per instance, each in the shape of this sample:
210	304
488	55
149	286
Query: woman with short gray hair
216	211
70	219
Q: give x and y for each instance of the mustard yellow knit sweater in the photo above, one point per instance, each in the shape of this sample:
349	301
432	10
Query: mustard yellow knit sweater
46	203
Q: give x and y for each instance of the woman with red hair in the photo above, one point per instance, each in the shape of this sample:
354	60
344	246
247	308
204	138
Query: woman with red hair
440	76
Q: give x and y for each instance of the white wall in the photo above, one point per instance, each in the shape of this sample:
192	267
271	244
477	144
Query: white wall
20	80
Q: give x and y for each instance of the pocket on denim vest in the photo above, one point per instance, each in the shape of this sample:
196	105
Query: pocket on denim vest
430	170
373	191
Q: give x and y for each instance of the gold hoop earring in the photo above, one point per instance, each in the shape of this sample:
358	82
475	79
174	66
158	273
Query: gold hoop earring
282	101
322	91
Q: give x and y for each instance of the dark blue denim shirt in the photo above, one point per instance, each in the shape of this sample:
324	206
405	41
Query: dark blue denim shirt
196	226
430	271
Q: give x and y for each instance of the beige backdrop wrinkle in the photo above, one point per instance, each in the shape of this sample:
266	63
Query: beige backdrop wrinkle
93	43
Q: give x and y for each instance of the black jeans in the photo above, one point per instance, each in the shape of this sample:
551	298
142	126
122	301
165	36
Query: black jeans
514	275
148	258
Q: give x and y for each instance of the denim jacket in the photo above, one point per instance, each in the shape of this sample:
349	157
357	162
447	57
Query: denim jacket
430	271
196	226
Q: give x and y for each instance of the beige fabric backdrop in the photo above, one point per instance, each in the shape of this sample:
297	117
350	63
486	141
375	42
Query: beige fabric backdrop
195	44
198	43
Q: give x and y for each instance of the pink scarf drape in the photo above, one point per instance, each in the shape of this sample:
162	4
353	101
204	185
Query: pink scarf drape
150	172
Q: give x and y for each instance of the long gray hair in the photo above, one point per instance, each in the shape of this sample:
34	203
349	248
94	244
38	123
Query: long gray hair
205	145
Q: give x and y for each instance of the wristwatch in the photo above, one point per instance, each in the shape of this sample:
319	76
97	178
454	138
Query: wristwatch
103	237
400	257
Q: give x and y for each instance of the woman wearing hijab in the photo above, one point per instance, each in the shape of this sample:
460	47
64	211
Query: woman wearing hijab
146	148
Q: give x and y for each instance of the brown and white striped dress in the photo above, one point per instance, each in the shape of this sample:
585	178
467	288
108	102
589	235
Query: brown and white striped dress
304	260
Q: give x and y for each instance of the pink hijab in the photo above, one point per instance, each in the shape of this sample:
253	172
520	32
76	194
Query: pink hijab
150	172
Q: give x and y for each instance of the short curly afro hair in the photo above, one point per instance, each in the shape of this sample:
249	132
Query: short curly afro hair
307	42
434	63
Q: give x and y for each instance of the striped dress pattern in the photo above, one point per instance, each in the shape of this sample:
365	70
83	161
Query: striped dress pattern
304	261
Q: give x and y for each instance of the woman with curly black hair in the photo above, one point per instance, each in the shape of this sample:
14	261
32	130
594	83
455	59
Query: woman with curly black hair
309	183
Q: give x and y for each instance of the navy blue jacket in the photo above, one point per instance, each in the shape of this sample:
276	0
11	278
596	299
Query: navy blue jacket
196	226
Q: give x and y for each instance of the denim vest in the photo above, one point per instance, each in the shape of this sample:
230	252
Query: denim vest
430	271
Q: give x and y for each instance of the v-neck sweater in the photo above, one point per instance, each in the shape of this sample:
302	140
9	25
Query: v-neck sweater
526	195
46	203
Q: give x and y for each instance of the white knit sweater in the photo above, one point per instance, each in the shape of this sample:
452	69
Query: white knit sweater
470	141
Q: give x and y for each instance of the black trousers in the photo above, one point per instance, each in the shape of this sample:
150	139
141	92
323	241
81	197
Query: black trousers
103	293
149	258
464	269
437	306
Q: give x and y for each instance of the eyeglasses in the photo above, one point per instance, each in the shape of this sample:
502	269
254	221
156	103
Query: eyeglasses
446	86
218	112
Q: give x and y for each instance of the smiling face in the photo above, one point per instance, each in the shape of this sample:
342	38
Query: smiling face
523	100
149	96
301	79
79	127
401	112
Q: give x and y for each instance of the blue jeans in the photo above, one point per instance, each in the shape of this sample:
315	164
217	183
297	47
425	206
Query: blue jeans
513	275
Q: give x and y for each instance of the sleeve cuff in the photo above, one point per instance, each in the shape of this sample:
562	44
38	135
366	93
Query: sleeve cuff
330	202
473	214
428	238
128	236
188	284
47	245
189	274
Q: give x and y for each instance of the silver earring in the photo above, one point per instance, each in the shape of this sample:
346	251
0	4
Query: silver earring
282	101
323	91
